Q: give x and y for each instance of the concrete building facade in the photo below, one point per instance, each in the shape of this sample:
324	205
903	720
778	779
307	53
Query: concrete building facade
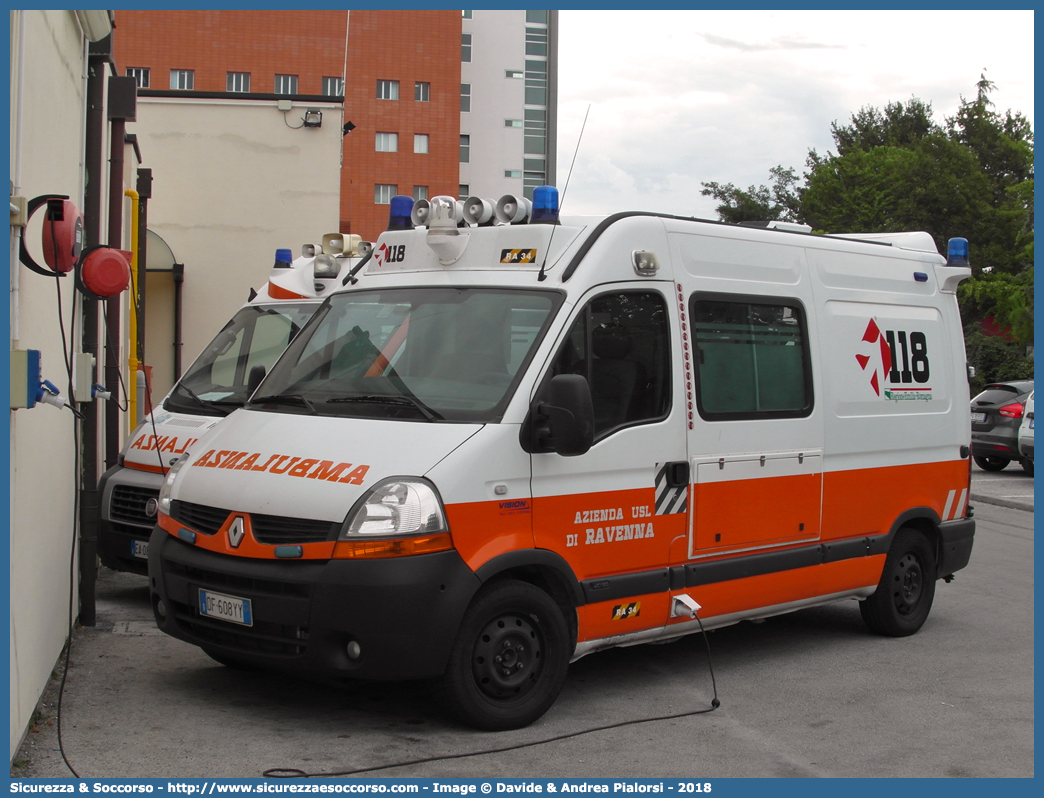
508	103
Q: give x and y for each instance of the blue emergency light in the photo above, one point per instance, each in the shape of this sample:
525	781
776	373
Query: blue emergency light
284	259
957	252
545	205
399	215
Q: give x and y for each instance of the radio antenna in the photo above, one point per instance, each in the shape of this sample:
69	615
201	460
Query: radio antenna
541	276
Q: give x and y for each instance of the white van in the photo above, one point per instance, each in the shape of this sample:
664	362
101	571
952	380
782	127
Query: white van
218	381
513	444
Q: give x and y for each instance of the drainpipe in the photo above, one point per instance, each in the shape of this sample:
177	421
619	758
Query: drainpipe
145	194
179	278
121	109
99	53
132	314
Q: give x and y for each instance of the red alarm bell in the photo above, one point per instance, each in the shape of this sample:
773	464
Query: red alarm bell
62	235
104	272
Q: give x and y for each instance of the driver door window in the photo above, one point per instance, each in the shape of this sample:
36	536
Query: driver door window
619	343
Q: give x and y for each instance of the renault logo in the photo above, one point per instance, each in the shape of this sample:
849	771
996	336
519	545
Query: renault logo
236	532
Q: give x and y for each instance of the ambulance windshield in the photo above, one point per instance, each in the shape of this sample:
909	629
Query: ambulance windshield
417	354
219	380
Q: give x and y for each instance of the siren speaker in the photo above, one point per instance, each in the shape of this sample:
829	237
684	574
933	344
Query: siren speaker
479	211
419	214
333	243
512	209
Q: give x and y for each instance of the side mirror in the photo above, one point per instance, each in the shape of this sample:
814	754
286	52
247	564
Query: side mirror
254	378
569	430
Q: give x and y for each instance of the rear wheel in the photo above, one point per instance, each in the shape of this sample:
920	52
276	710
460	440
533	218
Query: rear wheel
509	661
903	598
1027	466
992	463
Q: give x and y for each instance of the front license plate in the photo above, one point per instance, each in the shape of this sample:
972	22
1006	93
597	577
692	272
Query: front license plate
978	418
140	549
225	608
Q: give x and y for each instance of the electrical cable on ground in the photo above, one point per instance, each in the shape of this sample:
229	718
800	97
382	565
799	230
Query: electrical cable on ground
292	773
67	354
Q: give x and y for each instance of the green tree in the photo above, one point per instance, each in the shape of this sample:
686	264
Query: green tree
757	203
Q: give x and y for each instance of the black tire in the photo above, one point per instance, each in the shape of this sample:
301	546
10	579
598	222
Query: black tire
1027	466
903	599
992	463
509	661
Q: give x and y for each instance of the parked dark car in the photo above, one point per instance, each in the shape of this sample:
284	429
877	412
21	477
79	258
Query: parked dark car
996	416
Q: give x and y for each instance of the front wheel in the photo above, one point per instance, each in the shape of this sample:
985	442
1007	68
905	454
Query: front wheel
992	463
903	598
509	661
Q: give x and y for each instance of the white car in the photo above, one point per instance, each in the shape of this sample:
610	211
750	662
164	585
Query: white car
1026	436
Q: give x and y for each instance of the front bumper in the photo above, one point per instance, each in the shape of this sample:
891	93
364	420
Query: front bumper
123	522
403	612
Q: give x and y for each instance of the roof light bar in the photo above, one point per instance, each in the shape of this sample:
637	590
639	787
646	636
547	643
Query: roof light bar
957	252
399	213
545	205
283	259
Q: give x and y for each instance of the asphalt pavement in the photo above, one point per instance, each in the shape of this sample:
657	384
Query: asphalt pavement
807	694
1012	487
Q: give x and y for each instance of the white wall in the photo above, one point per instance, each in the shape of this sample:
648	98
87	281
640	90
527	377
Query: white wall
231	184
42	481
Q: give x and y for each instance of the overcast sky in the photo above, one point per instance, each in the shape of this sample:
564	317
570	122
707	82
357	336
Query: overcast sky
681	97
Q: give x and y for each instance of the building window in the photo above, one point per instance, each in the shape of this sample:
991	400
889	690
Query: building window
422	92
536	41
466	14
383	193
512	173
539	17
286	84
387	142
465	149
465	97
237	81
140	75
333	87
752	358
512	123
182	79
420	193
465	47
513	73
463	191
420	143
387	89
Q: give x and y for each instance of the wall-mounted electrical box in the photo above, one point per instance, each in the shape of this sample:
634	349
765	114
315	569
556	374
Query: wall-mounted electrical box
25	377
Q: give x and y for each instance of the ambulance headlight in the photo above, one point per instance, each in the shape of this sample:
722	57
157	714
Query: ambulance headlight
397	507
168	481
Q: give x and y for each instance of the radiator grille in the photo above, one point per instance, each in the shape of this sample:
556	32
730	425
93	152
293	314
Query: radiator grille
127	504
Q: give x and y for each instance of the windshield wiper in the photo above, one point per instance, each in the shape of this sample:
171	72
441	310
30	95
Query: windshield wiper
283	398
201	402
383	398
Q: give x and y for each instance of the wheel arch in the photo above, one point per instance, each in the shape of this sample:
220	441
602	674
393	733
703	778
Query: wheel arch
924	519
543	569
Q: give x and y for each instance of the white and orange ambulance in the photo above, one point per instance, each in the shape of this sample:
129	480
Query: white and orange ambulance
218	381
520	439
